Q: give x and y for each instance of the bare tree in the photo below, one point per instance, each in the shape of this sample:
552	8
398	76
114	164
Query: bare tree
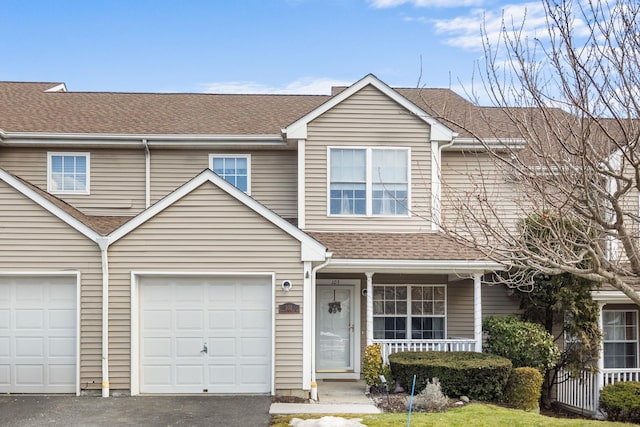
572	97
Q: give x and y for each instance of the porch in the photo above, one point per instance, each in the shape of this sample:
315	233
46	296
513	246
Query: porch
394	346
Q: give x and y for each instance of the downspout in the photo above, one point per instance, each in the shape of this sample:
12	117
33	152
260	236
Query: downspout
147	174
103	243
313	313
436	183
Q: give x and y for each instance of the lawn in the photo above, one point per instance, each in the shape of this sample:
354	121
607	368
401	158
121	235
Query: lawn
475	414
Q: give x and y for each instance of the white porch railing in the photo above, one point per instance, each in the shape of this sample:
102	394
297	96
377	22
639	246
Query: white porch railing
612	376
395	346
583	393
578	393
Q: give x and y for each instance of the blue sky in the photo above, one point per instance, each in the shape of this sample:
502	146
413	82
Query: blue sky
248	46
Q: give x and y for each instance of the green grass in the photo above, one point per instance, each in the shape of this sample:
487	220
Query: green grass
475	414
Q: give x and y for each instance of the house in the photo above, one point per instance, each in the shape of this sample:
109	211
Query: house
198	243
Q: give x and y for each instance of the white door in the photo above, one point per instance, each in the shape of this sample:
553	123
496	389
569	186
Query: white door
335	328
205	335
38	331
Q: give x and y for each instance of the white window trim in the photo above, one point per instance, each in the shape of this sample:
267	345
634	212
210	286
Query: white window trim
637	340
234	156
50	188
409	314
369	181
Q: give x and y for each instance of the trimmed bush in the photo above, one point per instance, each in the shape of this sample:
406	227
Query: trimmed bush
621	401
526	344
524	388
478	376
373	367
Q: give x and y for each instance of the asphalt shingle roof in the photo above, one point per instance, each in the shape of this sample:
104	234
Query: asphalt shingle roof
395	246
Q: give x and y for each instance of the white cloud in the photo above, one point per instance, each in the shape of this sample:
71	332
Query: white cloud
464	31
383	4
305	85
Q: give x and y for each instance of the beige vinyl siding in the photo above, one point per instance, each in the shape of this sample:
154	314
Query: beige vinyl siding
117	184
32	239
273	175
208	231
468	177
367	119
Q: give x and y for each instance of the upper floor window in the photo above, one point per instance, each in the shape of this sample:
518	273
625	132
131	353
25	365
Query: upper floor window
68	173
233	168
369	181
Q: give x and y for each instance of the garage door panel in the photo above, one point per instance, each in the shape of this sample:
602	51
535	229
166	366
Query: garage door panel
159	320
222	320
29	374
155	375
188	320
38	334
62	347
62	319
156	347
29	319
206	310
30	347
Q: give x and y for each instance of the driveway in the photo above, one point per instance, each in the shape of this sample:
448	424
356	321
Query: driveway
240	411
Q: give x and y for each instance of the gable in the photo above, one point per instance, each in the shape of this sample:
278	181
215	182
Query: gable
298	129
228	195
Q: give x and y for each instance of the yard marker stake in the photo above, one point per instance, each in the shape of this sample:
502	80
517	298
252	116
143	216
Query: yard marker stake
413	389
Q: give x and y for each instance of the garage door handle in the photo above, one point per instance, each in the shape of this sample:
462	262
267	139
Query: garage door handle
204	350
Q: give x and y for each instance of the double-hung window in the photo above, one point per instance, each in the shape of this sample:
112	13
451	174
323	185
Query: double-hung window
68	173
620	338
409	311
233	168
369	181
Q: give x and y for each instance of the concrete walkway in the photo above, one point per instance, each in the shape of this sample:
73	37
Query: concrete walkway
334	397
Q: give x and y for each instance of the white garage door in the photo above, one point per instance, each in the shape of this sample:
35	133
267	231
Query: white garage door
37	335
205	335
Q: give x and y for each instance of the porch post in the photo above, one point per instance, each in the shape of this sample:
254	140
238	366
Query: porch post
600	374
477	311
369	275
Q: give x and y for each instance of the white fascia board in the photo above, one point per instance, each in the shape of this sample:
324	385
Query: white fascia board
425	266
311	249
58	88
611	297
298	129
154	140
49	206
492	143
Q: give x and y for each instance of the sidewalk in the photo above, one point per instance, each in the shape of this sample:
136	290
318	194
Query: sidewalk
334	397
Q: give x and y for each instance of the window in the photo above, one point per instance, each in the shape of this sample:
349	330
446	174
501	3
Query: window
620	339
409	311
369	181
68	173
233	168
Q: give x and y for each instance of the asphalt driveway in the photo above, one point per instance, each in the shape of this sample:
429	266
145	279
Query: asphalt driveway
240	411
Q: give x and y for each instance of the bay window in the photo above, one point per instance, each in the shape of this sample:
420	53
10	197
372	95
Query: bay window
409	311
369	181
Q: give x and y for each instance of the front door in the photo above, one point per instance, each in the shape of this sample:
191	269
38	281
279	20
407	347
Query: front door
336	326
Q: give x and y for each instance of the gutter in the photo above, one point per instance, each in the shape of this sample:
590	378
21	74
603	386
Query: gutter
103	243
314	271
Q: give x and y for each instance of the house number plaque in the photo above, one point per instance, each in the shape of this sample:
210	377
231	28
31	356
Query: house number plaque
289	308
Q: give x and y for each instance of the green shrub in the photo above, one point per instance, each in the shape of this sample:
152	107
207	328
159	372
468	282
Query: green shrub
478	376
526	344
524	388
621	401
373	367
